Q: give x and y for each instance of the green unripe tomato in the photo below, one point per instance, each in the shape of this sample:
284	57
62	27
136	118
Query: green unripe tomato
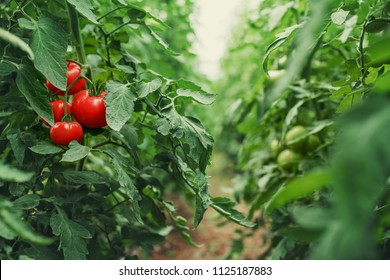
312	143
294	138
274	145
288	159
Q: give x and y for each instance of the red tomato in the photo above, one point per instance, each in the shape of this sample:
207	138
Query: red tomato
72	74
62	133
89	111
58	110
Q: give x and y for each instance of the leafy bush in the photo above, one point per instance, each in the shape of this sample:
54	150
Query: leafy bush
102	197
321	66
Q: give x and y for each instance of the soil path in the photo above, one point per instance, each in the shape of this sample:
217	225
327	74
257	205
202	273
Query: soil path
214	234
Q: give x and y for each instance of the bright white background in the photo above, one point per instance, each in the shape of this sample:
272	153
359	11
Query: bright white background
213	22
109	270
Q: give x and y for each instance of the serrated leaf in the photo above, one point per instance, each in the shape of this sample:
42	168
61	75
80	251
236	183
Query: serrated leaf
27	201
84	177
197	141
72	236
85	8
298	188
203	98
143	89
17	145
119	103
180	224
124	179
49	43
76	152
45	148
9	173
202	199
30	86
339	17
11	219
225	207
160	41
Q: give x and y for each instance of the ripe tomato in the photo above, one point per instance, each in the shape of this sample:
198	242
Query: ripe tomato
62	133
89	111
72	74
58	110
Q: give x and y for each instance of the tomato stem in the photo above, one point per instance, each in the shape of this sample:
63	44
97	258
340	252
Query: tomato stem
75	28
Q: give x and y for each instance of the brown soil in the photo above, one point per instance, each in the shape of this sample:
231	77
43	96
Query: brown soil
214	234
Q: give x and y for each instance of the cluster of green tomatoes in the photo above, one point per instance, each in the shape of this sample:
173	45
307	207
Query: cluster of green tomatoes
298	143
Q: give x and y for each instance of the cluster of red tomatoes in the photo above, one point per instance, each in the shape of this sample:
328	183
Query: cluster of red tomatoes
86	111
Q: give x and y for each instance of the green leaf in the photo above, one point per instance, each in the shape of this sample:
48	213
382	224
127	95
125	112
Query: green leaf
306	40
143	89
341	92
350	101
17	145
339	17
360	170
16	42
160	41
225	207
72	236
202	199
49	43
180	224
27	201
377	25
11	219
6	69
203	98
9	173
45	148
282	38
85	8
119	103
315	218
75	152
197	142
28	82
121	166
26	23
84	177
298	188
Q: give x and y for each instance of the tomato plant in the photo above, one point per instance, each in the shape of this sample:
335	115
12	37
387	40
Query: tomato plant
314	75
62	133
105	196
88	110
